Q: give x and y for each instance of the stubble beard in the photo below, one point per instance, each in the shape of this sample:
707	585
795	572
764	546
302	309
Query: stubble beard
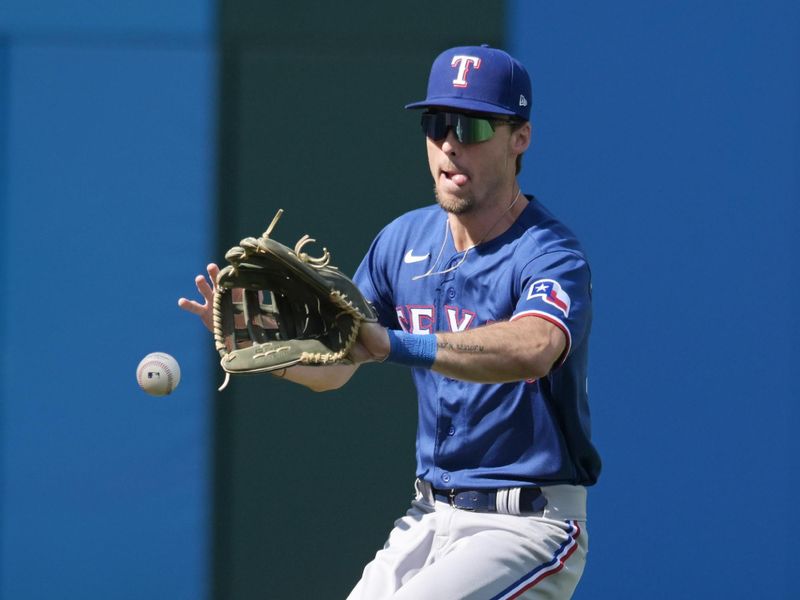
453	204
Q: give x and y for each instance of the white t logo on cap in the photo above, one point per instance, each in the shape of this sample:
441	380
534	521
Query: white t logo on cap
464	62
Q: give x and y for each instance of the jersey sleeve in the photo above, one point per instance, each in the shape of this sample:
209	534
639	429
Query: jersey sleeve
372	279
557	287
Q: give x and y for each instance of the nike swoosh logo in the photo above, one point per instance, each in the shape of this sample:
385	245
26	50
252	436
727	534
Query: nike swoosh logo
410	258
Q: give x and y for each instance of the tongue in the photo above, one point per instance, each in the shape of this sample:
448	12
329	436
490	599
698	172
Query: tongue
459	179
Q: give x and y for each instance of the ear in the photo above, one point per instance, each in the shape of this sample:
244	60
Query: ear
521	139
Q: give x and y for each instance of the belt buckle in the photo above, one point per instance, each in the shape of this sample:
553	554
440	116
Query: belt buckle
464	503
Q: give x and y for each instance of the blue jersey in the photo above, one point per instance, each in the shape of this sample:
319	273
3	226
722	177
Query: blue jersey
473	435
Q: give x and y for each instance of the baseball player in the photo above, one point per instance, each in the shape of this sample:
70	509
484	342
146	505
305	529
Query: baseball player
486	297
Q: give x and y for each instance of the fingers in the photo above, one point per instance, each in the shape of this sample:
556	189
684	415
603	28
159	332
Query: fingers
191	306
213	271
203	311
206	286
205	289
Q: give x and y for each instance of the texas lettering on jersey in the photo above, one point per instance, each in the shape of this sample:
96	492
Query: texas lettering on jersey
422	319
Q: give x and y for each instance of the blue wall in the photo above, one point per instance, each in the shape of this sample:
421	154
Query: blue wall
667	134
107	157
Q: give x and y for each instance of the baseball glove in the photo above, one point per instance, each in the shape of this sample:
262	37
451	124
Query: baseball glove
275	307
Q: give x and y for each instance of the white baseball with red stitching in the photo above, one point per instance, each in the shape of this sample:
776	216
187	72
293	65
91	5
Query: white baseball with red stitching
158	374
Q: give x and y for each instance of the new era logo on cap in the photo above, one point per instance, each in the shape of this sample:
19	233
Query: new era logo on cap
479	79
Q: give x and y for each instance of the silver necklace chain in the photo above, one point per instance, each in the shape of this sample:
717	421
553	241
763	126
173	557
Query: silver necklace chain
431	272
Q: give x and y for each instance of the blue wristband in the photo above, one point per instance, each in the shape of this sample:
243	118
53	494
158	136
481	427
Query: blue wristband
412	350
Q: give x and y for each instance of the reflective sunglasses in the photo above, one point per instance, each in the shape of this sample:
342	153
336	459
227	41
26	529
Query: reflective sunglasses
468	130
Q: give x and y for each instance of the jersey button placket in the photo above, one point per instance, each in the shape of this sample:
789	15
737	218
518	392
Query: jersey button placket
449	295
445	292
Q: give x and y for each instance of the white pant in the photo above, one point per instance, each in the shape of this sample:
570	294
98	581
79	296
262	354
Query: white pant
437	552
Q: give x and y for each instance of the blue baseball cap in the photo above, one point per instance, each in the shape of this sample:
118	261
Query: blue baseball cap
479	78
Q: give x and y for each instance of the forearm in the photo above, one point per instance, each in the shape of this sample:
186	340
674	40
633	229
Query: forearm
508	351
497	353
318	379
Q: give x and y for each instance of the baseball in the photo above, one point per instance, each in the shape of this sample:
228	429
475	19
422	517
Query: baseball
158	374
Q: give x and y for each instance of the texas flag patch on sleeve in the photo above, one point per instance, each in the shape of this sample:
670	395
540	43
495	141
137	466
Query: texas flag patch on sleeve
550	292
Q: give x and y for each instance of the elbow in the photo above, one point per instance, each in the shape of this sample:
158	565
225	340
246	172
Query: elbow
527	368
537	370
539	364
523	368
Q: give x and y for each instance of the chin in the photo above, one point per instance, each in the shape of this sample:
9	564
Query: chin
454	204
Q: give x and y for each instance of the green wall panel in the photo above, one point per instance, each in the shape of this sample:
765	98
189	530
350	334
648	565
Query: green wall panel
312	121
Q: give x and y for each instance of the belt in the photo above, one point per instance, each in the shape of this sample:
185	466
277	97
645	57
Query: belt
512	501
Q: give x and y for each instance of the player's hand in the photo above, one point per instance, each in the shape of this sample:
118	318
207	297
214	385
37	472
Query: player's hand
206	288
372	344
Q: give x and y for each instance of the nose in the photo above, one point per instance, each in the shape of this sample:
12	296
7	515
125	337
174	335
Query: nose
450	144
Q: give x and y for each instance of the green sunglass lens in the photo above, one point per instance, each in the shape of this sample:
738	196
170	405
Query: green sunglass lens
474	130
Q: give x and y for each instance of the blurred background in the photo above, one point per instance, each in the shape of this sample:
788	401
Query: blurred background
138	141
